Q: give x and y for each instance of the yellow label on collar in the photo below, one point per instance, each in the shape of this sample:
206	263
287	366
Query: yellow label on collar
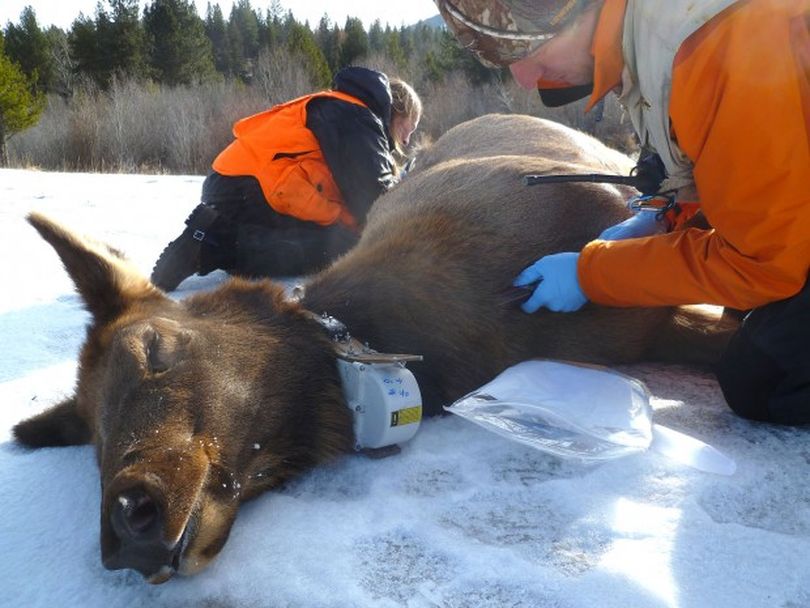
409	415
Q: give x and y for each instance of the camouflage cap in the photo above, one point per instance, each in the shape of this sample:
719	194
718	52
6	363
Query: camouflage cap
501	32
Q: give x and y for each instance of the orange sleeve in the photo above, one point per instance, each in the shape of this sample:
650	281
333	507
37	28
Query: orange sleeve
740	109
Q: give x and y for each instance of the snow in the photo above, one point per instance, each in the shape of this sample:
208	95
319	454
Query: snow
461	517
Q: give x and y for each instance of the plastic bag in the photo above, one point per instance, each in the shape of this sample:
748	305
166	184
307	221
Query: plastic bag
566	409
580	411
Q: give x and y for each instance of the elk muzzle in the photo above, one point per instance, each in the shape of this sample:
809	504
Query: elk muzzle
148	512
138	522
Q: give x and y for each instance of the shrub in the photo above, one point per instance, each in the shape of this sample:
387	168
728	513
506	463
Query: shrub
145	127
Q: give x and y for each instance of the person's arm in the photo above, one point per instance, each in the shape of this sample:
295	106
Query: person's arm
355	147
745	125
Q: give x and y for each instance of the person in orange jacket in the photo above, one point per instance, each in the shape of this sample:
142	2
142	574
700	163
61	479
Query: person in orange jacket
292	191
720	91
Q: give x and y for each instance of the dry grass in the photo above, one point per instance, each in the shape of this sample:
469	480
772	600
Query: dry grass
137	127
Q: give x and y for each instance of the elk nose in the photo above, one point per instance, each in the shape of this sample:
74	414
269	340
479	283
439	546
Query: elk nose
136	517
133	535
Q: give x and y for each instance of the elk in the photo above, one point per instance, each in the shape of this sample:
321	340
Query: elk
197	405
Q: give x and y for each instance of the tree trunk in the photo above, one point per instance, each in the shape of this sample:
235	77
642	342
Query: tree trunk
3	154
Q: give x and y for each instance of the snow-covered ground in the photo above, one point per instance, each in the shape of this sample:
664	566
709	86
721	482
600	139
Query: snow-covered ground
461	517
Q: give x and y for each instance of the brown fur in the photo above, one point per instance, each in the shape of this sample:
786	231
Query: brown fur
195	406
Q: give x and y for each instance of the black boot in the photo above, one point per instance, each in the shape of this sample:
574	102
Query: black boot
182	257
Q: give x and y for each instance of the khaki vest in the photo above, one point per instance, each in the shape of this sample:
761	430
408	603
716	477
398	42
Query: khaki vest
653	33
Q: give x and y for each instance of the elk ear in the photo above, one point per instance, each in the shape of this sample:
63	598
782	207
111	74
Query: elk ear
57	426
106	281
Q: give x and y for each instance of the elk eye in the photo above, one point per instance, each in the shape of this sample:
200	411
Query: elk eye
156	357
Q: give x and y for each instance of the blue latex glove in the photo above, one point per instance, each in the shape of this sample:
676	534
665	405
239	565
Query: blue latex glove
559	288
643	223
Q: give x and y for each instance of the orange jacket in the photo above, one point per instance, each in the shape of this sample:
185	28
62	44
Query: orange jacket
276	147
740	110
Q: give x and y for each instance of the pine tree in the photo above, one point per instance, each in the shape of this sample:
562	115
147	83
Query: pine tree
28	46
276	11
406	41
393	49
243	34
302	41
452	57
355	43
21	104
124	41
113	44
434	70
376	38
328	38
217	32
288	24
270	30
85	49
179	51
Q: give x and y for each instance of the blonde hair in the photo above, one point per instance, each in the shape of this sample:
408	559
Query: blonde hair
404	100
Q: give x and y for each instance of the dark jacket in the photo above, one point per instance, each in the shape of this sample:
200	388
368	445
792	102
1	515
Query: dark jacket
356	141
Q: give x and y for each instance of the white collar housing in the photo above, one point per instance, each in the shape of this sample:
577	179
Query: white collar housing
385	402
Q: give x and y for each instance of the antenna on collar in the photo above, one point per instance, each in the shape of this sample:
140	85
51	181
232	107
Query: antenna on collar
347	347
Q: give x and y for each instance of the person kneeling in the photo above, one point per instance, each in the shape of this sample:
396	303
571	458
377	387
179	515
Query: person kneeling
292	191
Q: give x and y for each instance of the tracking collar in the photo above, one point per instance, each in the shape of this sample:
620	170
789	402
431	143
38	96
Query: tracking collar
381	392
351	349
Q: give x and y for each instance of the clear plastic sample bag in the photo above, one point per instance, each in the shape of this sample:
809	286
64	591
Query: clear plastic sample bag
579	411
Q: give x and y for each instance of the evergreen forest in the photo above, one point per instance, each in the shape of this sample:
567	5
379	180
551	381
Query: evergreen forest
157	89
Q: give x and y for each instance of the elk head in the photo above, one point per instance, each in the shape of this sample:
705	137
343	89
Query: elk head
193	406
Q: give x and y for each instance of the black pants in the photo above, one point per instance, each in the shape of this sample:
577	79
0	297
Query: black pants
249	238
765	371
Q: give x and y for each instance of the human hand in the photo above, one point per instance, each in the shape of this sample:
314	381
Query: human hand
643	223
558	288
